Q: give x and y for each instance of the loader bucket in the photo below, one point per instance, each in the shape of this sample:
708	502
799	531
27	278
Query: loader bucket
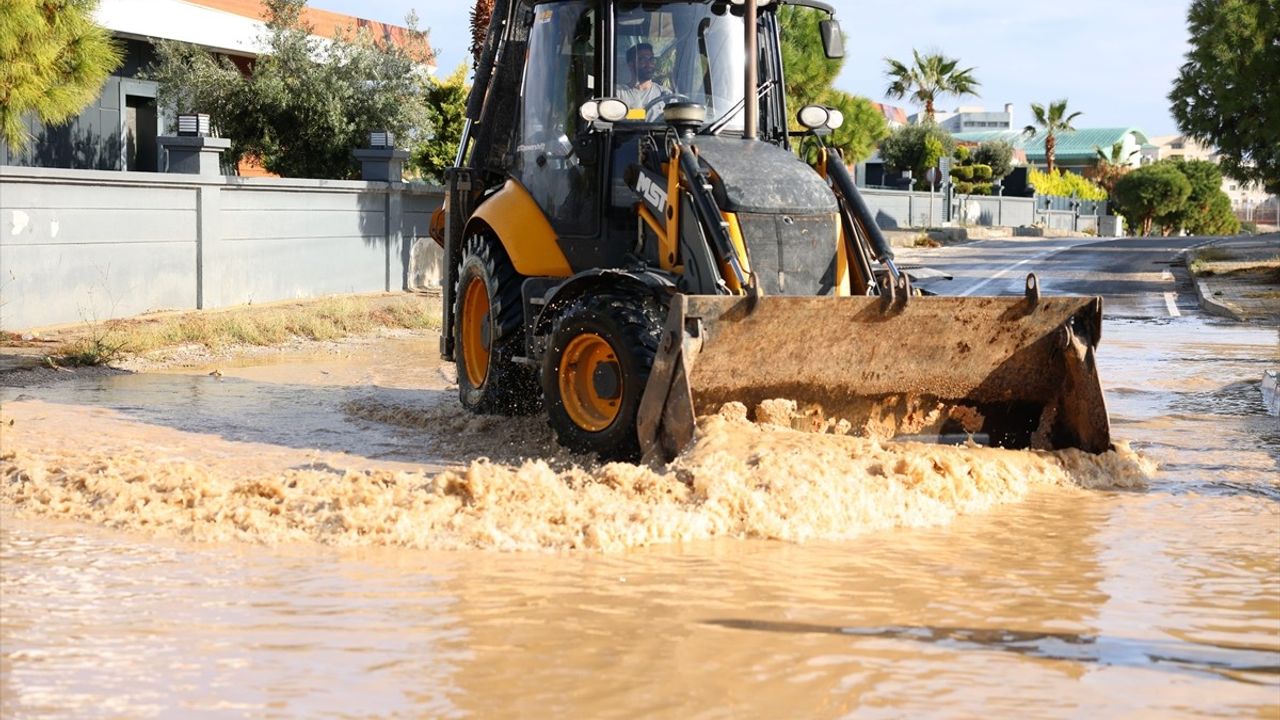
1016	372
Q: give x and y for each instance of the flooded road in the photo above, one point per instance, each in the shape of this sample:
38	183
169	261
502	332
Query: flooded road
269	541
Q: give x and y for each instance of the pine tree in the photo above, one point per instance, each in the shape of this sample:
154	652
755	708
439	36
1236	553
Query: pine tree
53	62
1227	94
810	75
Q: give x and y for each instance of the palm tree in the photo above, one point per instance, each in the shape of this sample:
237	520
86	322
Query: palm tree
1054	120
1109	167
1117	155
481	13
928	78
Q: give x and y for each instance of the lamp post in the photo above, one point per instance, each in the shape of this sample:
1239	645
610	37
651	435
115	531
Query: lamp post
194	150
382	161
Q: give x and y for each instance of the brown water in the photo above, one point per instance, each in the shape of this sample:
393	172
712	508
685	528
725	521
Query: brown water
270	541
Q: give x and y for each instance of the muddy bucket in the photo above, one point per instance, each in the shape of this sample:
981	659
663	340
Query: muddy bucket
1016	372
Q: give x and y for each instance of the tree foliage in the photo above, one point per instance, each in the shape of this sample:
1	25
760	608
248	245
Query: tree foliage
308	102
810	75
998	154
1203	212
1109	166
53	61
917	148
1227	93
446	106
1150	192
481	14
1054	120
928	78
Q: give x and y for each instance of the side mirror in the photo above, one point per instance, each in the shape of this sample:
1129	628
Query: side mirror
832	38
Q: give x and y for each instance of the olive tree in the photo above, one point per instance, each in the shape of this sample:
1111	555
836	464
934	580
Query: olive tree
917	148
308	103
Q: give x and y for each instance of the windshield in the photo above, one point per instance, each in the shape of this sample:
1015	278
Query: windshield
690	52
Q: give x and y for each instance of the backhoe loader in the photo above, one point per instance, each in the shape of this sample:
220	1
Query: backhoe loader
631	241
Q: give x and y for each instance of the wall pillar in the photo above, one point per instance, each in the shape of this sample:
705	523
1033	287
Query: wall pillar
381	164
194	155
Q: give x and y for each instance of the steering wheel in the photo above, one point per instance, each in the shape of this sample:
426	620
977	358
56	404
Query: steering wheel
664	97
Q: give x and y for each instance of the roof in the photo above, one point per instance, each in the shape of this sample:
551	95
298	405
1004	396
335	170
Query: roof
1072	145
323	22
230	26
891	113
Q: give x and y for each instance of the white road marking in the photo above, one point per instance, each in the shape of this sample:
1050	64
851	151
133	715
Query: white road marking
1166	276
1012	267
1171	302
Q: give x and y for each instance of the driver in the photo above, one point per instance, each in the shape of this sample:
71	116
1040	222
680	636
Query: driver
643	90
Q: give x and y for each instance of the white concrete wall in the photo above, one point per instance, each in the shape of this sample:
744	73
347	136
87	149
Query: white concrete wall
87	245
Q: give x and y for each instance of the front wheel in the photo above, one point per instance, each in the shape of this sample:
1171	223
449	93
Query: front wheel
488	333
595	370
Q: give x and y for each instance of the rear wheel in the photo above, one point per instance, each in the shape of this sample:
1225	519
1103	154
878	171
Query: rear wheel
489	333
595	370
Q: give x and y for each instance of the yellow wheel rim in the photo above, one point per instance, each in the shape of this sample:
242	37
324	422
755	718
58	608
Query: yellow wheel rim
584	357
475	326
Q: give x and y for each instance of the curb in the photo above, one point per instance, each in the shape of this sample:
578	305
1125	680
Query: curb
1213	306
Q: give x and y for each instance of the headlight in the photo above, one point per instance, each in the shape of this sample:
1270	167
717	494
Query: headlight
590	110
813	116
612	109
835	118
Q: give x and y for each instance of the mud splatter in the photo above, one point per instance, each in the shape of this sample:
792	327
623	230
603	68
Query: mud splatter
740	479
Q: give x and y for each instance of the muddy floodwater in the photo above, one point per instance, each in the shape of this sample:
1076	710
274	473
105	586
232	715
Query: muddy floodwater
327	534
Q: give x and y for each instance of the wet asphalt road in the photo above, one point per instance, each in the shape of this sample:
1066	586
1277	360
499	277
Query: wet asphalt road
1138	278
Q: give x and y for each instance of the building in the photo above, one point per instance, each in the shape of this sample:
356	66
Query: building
895	116
970	119
119	130
1074	151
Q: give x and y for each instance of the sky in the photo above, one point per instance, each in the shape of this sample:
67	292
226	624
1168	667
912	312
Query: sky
1113	60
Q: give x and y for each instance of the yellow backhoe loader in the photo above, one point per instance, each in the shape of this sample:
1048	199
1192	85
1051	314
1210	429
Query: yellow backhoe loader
631	242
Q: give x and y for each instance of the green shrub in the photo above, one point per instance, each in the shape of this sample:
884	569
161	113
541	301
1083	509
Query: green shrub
961	154
981	189
1249	228
998	154
982	173
963	173
1150	192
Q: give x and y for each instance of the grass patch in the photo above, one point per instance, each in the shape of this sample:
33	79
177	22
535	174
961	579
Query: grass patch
324	319
1202	259
923	240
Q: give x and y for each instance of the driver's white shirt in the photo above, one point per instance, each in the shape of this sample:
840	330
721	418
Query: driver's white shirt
637	98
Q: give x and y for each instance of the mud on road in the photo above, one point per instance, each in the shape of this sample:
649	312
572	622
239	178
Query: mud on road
364	443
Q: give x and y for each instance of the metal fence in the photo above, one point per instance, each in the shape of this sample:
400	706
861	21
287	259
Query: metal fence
90	245
901	209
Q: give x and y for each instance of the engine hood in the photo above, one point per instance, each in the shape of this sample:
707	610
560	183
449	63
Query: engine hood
757	177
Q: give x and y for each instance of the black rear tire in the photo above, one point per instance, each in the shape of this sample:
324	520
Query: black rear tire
489	333
595	370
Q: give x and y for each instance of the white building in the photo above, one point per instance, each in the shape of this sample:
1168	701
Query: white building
970	119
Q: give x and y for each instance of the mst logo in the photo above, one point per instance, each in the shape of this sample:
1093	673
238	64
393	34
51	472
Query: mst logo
653	193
